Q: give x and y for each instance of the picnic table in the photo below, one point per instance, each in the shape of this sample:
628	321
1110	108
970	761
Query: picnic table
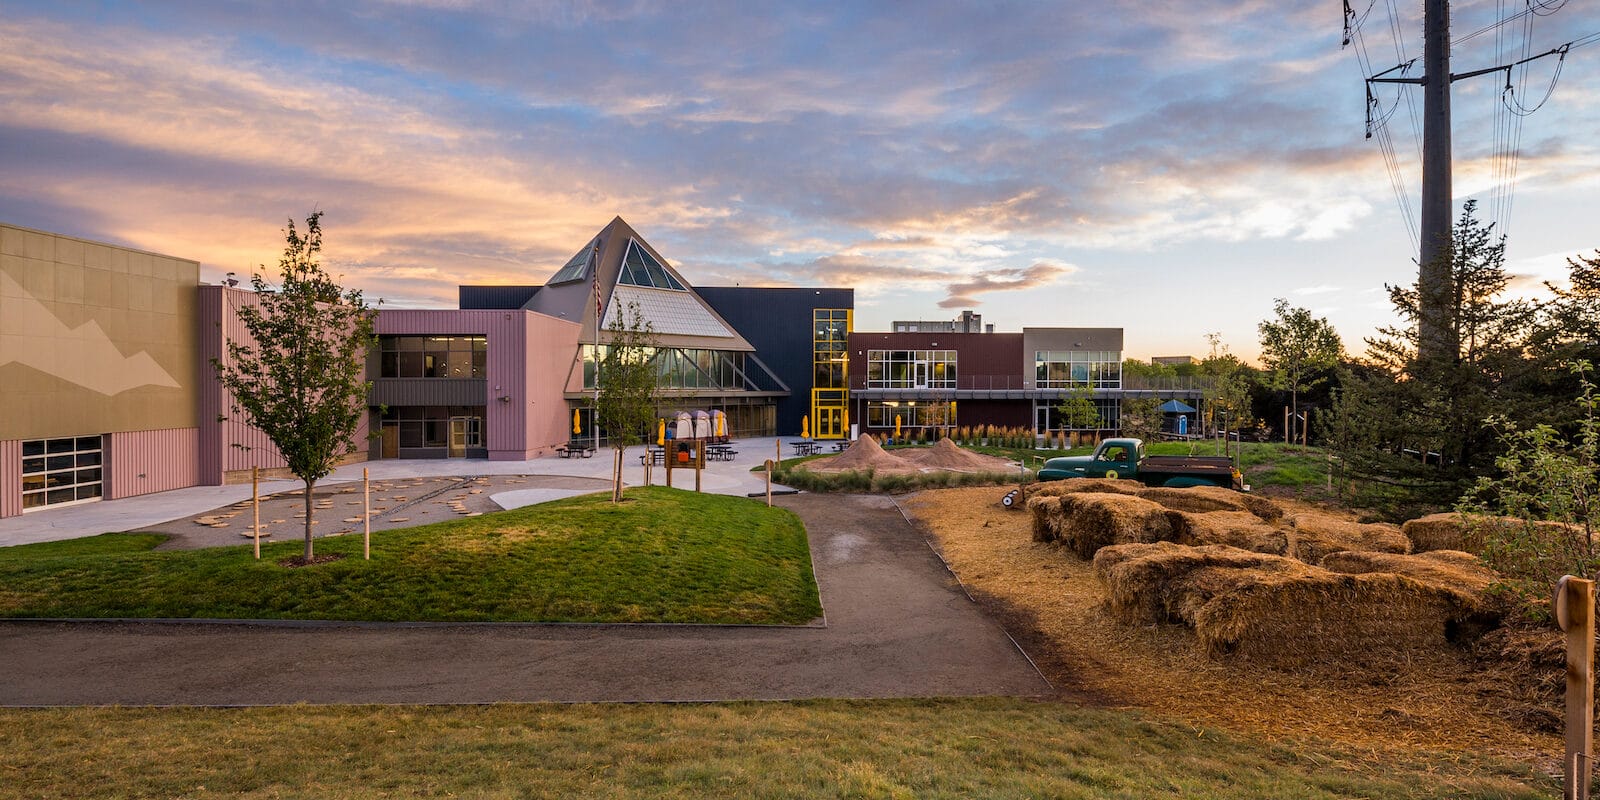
653	455
806	448
721	452
575	449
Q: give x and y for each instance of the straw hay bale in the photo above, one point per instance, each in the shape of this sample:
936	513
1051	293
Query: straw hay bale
1193	501
1084	485
1446	531
1455	531
1143	580
1316	535
1451	569
1087	522
1240	529
1274	610
1290	620
1203	499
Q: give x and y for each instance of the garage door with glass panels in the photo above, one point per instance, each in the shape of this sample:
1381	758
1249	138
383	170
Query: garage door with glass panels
60	471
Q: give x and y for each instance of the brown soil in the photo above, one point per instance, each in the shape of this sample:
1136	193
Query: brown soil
865	453
302	561
1050	600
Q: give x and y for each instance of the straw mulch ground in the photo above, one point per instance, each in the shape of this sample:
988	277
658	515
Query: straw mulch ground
1051	601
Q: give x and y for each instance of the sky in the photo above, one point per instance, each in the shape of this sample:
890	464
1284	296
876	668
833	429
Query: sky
1165	166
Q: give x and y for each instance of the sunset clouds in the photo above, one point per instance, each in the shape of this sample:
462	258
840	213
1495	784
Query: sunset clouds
1032	161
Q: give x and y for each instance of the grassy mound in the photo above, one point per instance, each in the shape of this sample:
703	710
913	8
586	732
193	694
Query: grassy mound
663	556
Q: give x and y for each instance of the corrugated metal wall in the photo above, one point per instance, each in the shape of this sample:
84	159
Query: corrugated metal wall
141	462
10	478
529	355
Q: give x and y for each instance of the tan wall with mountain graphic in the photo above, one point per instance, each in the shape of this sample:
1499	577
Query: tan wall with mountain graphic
94	338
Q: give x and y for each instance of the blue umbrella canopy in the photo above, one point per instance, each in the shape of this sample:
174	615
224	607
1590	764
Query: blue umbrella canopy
1176	407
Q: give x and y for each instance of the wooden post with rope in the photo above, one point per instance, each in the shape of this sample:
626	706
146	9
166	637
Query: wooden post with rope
1574	613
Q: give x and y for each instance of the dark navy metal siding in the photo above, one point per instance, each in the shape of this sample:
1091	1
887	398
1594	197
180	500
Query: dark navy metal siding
778	323
492	297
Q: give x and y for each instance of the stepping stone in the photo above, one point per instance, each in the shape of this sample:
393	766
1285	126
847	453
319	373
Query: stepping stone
400	519
279	521
219	525
476	491
353	519
476	514
251	535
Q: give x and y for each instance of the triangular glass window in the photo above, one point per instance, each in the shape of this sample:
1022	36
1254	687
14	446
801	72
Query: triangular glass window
639	268
576	268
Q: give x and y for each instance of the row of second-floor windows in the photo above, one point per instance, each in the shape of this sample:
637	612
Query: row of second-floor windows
1061	369
911	369
433	356
682	367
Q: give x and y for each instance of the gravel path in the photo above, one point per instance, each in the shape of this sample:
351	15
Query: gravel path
898	625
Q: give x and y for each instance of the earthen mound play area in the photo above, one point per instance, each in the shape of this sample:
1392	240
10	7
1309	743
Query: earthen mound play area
1131	596
866	454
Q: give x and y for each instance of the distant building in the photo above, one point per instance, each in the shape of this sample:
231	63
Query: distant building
1172	361
968	322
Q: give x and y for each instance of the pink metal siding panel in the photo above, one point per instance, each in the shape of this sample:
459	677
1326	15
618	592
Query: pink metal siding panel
142	462
529	355
10	478
212	303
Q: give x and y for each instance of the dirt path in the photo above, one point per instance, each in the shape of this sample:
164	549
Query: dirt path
898	625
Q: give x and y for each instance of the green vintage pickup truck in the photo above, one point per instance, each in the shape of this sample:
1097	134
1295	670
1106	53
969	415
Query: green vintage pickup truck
1125	458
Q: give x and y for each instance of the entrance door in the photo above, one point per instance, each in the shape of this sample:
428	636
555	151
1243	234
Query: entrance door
391	441
830	423
919	374
458	436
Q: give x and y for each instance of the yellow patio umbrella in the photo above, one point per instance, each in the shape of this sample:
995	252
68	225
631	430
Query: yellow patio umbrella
661	434
897	426
722	424
805	427
576	417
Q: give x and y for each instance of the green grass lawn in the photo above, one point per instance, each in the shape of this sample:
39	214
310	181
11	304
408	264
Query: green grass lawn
982	748
663	556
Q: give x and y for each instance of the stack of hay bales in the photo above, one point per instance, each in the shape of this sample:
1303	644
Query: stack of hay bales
1455	531
1275	610
1280	590
1083	486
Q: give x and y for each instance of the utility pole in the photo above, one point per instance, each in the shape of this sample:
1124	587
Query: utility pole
1437	339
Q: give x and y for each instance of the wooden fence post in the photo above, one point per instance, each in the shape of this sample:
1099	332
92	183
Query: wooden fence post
1574	613
255	502
366	515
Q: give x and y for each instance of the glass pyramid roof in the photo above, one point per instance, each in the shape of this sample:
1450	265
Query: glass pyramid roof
639	268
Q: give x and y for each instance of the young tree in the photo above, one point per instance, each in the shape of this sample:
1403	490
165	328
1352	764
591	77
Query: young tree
628	379
301	376
1077	410
1141	418
1299	350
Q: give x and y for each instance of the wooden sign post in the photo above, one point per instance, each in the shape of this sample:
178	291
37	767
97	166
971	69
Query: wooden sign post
769	483
255	502
1574	613
366	515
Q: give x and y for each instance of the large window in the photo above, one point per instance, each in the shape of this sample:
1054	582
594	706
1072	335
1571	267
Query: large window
575	268
639	268
430	426
682	367
911	369
1065	369
912	414
433	356
60	471
829	336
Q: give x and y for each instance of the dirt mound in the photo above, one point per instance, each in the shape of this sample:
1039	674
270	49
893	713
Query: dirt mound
1087	522
946	456
862	455
1316	535
1277	611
